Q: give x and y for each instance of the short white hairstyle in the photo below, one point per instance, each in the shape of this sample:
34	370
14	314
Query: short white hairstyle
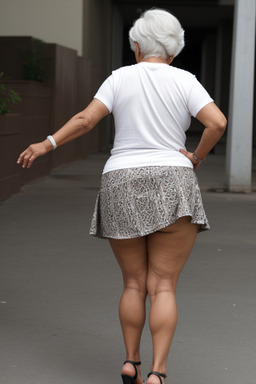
158	33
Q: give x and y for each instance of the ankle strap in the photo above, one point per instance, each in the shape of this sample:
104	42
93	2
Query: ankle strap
134	363
159	375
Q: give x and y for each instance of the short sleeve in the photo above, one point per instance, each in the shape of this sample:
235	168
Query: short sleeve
105	93
198	97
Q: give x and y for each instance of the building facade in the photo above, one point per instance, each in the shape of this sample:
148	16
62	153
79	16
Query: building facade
220	44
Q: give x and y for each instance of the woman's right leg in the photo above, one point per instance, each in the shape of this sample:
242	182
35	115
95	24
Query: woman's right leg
131	255
168	251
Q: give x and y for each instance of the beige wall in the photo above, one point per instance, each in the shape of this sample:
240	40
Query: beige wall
54	21
83	25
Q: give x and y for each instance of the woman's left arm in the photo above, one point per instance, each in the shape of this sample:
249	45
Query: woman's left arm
77	126
215	124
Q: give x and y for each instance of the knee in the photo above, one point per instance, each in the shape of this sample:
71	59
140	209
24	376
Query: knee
137	283
157	284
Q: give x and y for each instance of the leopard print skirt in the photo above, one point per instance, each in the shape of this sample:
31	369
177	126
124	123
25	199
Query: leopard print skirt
135	202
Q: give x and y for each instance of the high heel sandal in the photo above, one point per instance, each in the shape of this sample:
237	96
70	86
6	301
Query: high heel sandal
159	375
127	379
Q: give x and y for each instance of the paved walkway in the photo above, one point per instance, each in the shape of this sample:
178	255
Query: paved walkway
60	288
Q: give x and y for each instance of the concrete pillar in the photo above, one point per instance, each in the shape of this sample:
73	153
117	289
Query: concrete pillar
239	143
97	41
97	17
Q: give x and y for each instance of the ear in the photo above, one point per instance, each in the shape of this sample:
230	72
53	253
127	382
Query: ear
137	52
137	48
170	59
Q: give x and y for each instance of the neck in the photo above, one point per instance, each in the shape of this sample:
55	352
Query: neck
154	59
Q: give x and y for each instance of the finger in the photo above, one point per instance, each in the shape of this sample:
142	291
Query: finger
25	160
20	159
183	152
197	165
24	154
30	161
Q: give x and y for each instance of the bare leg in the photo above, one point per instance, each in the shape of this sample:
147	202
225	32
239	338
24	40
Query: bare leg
132	257
168	251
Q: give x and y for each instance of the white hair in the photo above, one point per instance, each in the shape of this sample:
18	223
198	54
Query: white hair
158	33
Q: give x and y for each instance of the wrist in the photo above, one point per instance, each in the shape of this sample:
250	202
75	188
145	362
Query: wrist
197	159
47	145
52	142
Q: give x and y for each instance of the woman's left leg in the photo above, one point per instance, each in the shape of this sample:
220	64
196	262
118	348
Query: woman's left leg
131	255
168	251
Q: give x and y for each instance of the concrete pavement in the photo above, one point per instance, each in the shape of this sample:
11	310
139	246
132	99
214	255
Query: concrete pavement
60	288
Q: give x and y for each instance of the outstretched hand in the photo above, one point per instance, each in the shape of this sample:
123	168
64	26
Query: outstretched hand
190	156
27	157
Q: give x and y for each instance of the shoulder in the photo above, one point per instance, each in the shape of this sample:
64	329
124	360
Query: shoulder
183	80
126	68
182	74
123	76
123	70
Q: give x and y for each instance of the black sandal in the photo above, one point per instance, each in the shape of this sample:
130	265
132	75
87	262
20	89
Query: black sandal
131	379
159	375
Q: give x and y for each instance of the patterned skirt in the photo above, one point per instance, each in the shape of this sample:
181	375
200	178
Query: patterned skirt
135	202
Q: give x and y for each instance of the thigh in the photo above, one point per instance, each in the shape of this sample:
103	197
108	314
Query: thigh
131	255
168	251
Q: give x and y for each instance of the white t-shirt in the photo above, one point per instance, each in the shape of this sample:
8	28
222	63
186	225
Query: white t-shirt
152	104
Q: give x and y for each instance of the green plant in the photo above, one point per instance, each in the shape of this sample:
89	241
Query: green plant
7	96
35	65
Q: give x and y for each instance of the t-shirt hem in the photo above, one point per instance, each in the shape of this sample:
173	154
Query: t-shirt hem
116	168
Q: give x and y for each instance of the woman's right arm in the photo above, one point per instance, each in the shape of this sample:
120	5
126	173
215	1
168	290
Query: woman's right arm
215	124
77	126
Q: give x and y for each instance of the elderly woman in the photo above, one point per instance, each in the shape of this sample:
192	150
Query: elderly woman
149	205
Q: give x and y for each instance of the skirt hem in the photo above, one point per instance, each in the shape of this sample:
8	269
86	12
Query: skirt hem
137	202
201	228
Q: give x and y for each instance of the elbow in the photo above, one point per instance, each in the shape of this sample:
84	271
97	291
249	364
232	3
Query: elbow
83	124
86	126
221	125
